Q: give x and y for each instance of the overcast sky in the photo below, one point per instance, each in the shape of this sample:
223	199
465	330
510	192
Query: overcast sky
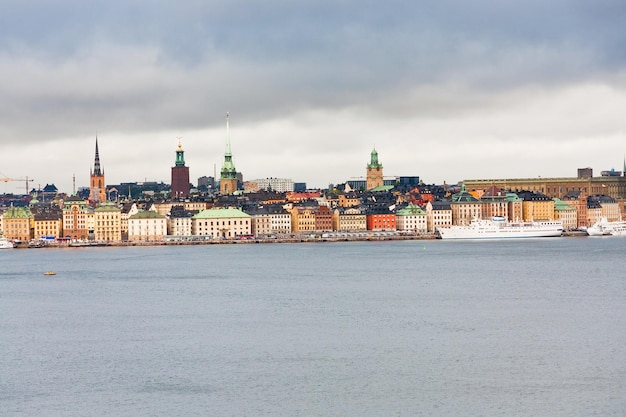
447	90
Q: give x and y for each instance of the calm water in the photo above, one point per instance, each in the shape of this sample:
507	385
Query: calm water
524	328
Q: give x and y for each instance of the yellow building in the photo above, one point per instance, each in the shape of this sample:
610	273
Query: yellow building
465	207
349	199
302	219
48	223
107	223
17	224
536	206
350	219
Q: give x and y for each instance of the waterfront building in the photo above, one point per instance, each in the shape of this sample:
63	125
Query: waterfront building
17	224
412	219
76	215
374	172
323	219
594	211
380	218
47	222
465	207
179	221
438	215
180	175
349	219
566	214
147	225
221	223
578	199
302	219
228	174
270	220
97	187
515	207
610	207
127	210
536	206
107	223
494	203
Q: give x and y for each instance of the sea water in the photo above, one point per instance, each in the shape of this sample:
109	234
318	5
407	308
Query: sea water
410	328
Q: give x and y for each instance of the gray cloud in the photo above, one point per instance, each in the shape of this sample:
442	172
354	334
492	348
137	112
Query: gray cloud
142	69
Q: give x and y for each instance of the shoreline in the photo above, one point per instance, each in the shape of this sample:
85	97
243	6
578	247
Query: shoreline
282	240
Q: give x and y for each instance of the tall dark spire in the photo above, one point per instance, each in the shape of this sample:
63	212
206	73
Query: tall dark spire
96	166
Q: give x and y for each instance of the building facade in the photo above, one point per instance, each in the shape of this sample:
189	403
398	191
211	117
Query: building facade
226	223
17	224
76	215
412	219
107	223
147	225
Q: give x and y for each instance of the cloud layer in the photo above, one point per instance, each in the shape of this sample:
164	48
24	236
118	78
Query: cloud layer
312	88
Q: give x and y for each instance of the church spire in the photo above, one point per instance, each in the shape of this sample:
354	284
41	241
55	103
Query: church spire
228	151
228	169
96	166
228	175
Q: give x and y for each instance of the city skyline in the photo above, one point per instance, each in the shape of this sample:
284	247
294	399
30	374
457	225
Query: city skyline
446	91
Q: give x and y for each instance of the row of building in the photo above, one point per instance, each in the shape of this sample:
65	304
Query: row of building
262	214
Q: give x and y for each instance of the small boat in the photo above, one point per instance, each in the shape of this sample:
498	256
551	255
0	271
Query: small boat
49	273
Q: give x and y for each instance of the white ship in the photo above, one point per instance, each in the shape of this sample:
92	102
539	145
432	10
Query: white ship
607	228
500	228
5	243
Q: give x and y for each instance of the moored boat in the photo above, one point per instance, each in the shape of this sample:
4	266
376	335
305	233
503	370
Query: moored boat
606	228
6	243
501	228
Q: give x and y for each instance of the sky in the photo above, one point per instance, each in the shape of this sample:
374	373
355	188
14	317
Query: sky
446	90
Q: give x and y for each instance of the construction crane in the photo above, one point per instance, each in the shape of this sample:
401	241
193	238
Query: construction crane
6	179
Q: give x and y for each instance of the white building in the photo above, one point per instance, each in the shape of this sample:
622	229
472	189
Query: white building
412	219
281	185
147	225
219	223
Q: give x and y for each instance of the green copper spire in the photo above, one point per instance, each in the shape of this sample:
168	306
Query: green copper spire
374	160
180	155
228	169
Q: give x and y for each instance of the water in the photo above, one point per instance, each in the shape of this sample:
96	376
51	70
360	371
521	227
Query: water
532	328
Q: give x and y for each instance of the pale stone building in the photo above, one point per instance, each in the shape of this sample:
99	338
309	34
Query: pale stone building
226	223
412	219
147	225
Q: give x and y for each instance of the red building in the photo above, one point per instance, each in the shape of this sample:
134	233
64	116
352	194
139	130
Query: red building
381	220
180	175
